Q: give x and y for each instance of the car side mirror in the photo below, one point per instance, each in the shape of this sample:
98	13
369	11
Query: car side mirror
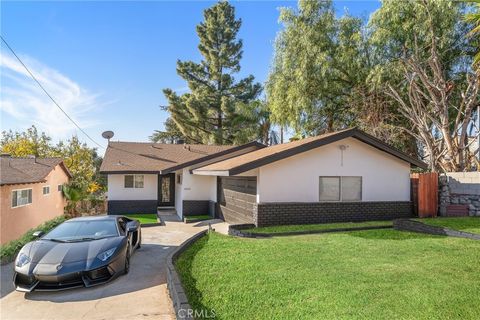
132	226
38	234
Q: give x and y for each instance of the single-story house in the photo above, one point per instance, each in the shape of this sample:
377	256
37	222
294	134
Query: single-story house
31	193
346	175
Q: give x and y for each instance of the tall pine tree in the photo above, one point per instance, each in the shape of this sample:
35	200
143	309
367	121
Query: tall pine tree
209	112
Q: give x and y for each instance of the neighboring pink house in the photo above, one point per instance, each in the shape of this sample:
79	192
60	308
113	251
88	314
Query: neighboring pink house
30	193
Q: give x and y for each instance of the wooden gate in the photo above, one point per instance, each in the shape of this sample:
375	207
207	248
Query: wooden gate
425	194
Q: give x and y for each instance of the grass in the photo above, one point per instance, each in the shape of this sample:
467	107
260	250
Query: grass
198	217
9	251
144	218
318	227
374	274
468	224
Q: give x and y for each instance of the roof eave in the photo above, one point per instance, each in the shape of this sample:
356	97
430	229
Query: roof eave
213	156
129	172
220	173
354	132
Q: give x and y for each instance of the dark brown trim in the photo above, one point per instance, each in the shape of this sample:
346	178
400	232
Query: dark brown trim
289	152
130	172
213	156
353	133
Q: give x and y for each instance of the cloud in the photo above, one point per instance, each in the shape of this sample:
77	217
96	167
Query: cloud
26	102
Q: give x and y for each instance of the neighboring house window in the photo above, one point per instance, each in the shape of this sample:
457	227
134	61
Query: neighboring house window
21	197
46	190
133	181
179	178
340	189
59	188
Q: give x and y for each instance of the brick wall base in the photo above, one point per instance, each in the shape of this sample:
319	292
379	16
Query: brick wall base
198	207
270	214
132	206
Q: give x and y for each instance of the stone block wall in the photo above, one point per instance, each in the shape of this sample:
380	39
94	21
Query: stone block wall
460	188
269	214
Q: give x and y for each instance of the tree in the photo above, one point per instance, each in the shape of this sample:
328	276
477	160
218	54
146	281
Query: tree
208	113
171	134
83	162
26	143
74	195
474	18
439	108
318	60
258	124
79	159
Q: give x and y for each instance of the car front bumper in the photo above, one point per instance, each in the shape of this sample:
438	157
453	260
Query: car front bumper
38	281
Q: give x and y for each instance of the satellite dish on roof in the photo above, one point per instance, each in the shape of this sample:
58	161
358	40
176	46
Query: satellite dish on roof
107	135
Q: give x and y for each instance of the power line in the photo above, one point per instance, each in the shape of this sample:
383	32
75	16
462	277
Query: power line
46	92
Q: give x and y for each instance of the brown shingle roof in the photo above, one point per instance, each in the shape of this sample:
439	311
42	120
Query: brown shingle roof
27	170
277	152
125	157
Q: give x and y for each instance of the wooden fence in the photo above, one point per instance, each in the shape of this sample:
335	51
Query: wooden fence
425	194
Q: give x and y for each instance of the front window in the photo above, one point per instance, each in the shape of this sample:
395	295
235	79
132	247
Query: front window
348	188
46	190
21	197
83	231
133	181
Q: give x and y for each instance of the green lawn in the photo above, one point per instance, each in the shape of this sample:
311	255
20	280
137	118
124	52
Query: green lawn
144	218
198	217
318	227
374	274
468	224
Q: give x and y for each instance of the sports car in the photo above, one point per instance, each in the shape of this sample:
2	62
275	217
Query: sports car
80	252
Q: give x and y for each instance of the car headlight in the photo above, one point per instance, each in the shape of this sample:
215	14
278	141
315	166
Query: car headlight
22	260
106	254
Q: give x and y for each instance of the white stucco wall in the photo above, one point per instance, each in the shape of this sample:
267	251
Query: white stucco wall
296	179
117	191
196	187
179	194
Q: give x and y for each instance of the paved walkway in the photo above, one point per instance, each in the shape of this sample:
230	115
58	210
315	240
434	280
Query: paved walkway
142	294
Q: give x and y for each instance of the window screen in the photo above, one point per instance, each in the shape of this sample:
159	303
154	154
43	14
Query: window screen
134	181
351	188
329	188
340	189
21	197
139	181
129	181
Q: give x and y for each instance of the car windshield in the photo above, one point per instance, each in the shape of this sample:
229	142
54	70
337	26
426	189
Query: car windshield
83	231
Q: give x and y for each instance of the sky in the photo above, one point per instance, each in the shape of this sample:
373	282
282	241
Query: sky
106	63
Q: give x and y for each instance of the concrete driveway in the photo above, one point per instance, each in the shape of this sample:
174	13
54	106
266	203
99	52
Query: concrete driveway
142	294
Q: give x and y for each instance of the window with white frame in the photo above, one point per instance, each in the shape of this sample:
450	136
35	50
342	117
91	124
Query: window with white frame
46	190
336	188
59	187
133	181
21	197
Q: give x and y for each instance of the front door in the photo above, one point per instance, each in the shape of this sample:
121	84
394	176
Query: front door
166	190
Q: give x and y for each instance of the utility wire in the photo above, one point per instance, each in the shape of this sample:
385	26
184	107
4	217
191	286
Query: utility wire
46	92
